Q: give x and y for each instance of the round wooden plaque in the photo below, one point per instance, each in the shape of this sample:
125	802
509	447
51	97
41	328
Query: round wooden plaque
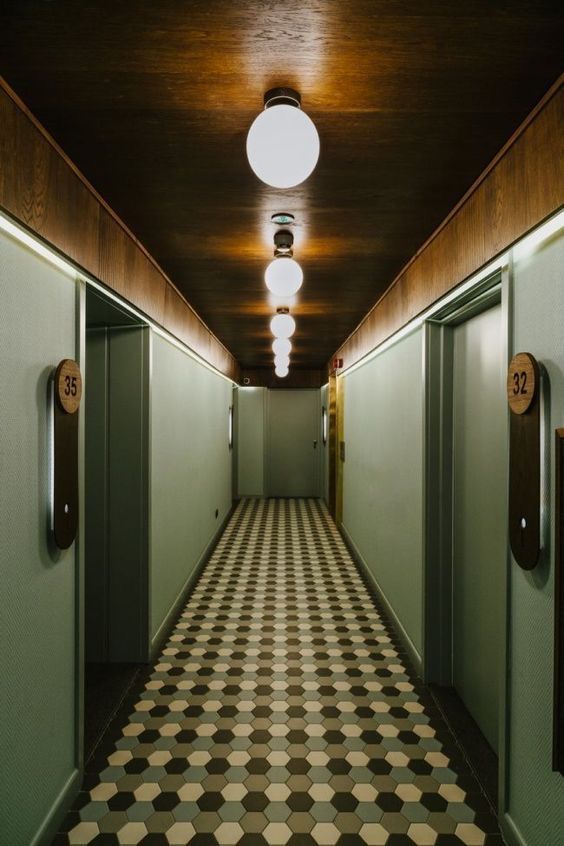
521	382
68	385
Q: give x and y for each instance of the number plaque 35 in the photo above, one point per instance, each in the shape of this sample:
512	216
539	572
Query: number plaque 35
68	385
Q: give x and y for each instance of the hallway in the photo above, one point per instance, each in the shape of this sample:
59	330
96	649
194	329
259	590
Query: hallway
281	711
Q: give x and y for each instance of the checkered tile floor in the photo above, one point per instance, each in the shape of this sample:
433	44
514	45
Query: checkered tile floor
281	712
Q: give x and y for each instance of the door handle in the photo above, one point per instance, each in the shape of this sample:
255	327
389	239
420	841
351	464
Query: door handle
315	444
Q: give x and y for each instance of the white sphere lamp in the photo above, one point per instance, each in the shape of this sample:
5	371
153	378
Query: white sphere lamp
282	346
281	360
282	144
281	371
284	276
282	325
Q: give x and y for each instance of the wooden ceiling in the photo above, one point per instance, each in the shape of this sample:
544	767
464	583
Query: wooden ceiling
153	100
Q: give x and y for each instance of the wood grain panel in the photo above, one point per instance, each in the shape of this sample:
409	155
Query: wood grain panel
523	186
43	190
411	98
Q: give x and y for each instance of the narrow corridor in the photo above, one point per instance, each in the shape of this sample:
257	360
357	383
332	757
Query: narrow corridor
281	712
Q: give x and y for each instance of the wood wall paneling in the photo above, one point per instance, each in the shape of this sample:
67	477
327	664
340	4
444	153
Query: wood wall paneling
524	186
42	189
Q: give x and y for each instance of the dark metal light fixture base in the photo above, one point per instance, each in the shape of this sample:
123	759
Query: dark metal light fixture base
282	96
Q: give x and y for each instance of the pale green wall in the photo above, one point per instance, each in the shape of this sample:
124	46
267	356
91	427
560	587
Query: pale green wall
325	447
536	795
37	629
250	445
190	471
382	482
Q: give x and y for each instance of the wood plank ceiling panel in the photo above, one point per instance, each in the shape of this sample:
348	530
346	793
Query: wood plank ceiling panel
153	101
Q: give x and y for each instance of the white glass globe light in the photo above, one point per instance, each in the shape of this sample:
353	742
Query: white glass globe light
281	371
281	360
282	146
282	326
281	346
284	277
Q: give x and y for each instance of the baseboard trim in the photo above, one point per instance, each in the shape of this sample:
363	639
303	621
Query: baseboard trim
59	810
510	832
161	636
407	643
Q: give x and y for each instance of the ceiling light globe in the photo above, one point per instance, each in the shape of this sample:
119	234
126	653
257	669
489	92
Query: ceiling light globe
282	146
281	371
282	326
281	346
284	277
281	360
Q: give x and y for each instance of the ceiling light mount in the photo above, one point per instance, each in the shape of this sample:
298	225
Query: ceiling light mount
283	243
282	97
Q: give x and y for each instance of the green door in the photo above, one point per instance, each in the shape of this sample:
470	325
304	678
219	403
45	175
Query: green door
293	443
479	520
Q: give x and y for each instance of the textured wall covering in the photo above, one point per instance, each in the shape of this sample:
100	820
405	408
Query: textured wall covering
536	795
382	485
190	469
37	623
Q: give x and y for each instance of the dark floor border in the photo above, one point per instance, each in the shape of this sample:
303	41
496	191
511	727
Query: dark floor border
129	673
482	759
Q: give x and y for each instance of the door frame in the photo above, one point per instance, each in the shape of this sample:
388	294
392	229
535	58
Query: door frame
335	437
438	494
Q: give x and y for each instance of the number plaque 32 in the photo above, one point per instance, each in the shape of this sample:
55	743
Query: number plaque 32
521	382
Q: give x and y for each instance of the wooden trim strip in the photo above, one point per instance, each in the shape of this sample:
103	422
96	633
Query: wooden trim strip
45	191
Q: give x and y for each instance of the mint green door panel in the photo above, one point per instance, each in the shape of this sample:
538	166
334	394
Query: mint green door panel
479	520
116	554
